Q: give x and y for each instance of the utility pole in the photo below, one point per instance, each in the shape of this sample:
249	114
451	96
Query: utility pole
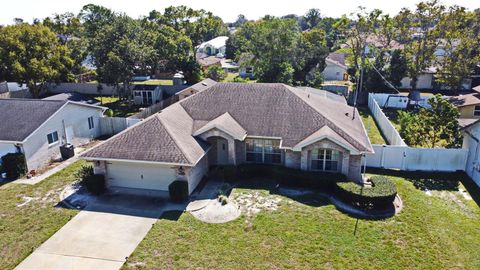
359	82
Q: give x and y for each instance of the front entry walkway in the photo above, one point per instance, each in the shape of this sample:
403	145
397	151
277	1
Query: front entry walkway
100	237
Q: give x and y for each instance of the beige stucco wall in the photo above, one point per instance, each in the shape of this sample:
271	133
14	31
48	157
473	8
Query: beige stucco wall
196	173
326	144
292	159
231	144
467	112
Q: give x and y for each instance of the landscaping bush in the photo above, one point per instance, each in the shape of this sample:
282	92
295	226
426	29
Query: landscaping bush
380	195
94	183
291	177
109	113
14	165
178	190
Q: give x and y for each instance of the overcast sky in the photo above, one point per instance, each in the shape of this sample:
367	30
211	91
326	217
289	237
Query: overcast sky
226	9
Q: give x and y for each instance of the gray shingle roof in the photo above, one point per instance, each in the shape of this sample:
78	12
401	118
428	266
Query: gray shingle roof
147	141
20	117
270	110
277	110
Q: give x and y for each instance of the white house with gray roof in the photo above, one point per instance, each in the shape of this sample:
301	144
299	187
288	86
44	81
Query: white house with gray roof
234	123
38	127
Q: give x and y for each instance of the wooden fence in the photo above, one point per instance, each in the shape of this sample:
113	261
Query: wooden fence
113	125
155	108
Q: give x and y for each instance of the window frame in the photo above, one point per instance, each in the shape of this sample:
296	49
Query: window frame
321	158
264	151
54	137
91	124
476	110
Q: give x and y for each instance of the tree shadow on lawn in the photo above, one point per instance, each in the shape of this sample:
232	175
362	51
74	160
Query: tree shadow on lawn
446	181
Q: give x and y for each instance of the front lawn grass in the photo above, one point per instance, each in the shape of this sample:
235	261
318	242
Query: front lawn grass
25	227
436	231
371	127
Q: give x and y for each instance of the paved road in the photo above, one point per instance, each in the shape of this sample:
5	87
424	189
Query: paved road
99	237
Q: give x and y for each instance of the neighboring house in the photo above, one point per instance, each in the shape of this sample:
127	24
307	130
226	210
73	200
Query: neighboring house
208	61
471	142
246	69
214	47
75	97
144	94
229	66
231	124
193	89
425	80
468	105
39	127
335	69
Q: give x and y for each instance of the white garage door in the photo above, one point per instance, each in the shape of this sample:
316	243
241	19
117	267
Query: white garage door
141	176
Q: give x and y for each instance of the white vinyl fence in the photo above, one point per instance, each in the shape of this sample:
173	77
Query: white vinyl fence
417	159
396	101
114	125
388	130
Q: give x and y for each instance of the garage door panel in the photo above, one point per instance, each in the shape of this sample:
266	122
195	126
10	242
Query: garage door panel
141	176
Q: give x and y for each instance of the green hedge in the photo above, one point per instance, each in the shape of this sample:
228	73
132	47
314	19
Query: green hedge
285	176
14	165
380	195
178	191
94	183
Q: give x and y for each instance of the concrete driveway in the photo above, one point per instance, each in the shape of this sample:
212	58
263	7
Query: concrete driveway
99	237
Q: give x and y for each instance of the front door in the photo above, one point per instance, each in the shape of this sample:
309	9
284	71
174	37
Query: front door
222	151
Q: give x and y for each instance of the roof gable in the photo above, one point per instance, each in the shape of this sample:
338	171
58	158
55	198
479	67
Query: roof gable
20	117
148	141
225	123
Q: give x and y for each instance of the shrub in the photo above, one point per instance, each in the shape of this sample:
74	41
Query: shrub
380	195
109	113
14	165
94	183
291	177
216	73
223	199
178	190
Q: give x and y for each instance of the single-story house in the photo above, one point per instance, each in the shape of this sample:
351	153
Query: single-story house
336	68
231	124
208	61
75	97
145	94
471	142
193	89
468	105
38	128
214	46
246	69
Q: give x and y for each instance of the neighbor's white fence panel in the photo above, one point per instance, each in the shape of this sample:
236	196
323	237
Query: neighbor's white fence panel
388	130
396	102
417	159
114	125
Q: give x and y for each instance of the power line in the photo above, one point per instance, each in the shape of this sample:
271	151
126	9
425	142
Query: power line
384	79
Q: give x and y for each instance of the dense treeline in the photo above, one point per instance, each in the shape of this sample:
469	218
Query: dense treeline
290	49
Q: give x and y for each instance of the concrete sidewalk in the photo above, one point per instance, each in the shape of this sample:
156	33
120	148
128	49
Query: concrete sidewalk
100	237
